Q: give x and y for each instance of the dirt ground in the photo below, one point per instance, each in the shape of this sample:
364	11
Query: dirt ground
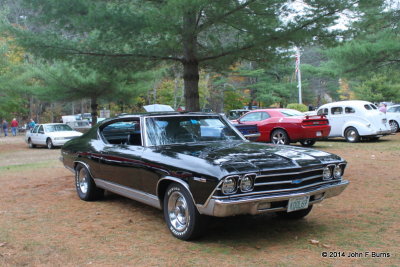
43	222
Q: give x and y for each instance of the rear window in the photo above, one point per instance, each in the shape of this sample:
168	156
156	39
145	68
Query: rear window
291	113
322	111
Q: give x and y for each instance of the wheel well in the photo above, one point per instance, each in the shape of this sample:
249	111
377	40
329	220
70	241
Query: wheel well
163	185
348	127
278	128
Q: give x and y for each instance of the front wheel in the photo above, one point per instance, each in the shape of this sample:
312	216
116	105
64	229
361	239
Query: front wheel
280	137
49	143
351	135
182	218
295	215
85	186
307	142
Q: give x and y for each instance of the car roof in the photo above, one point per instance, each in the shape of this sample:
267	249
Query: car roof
156	114
347	102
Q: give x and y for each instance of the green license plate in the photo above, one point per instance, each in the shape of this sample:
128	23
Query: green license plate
298	203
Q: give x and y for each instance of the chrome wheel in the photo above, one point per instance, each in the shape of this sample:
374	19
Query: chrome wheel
178	212
279	137
82	181
394	126
352	135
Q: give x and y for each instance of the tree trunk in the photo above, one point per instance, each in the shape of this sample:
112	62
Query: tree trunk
191	82
93	106
190	62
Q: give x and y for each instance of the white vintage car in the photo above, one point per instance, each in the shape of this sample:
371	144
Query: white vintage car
393	116
355	120
50	135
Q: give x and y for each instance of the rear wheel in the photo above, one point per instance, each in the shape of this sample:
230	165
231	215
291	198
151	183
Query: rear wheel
49	143
294	215
85	186
280	137
30	144
351	135
394	126
180	213
307	142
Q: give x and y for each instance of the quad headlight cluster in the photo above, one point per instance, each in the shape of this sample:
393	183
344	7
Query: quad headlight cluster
333	171
244	183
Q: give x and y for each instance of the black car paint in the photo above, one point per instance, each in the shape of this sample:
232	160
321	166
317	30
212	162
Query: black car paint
142	168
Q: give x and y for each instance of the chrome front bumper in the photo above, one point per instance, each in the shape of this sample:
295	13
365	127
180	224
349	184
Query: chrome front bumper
268	202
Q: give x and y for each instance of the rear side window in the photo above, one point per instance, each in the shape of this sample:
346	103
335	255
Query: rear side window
322	111
336	110
348	110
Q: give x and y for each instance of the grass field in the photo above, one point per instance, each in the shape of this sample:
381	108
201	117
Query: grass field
43	222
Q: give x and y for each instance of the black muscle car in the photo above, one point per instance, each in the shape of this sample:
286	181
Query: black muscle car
195	164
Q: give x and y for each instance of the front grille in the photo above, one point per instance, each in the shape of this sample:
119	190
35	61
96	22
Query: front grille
287	179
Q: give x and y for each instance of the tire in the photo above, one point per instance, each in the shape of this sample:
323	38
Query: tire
295	215
85	186
307	142
394	126
351	135
49	143
30	144
181	215
280	137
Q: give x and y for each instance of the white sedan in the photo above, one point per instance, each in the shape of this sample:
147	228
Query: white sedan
50	135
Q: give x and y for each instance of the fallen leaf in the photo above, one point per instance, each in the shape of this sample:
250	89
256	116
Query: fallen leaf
3	244
314	242
326	246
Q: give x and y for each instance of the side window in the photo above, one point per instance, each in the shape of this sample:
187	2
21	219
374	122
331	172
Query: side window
35	130
336	110
256	116
367	107
322	111
264	115
41	130
123	132
348	110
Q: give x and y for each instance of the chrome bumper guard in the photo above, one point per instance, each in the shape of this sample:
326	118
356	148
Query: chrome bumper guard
258	204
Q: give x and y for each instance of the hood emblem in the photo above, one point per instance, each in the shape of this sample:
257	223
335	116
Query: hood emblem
298	181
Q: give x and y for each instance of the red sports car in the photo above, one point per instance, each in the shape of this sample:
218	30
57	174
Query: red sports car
284	126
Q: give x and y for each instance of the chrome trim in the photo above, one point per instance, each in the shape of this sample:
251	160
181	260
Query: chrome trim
247	205
275	191
288	173
201	180
249	136
86	166
288	181
134	194
179	181
252	181
332	168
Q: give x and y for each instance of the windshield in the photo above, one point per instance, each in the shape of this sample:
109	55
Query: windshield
57	128
187	129
291	112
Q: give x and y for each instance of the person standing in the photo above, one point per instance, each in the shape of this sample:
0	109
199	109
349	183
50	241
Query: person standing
5	127
14	127
31	124
383	108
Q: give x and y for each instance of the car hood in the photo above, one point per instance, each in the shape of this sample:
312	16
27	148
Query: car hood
64	134
250	157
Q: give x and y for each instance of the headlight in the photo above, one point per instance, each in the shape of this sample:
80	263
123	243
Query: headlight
327	175
246	183
229	186
337	172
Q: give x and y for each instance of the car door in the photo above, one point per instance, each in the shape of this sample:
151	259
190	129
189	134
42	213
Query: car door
259	118
34	135
121	161
337	118
41	136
